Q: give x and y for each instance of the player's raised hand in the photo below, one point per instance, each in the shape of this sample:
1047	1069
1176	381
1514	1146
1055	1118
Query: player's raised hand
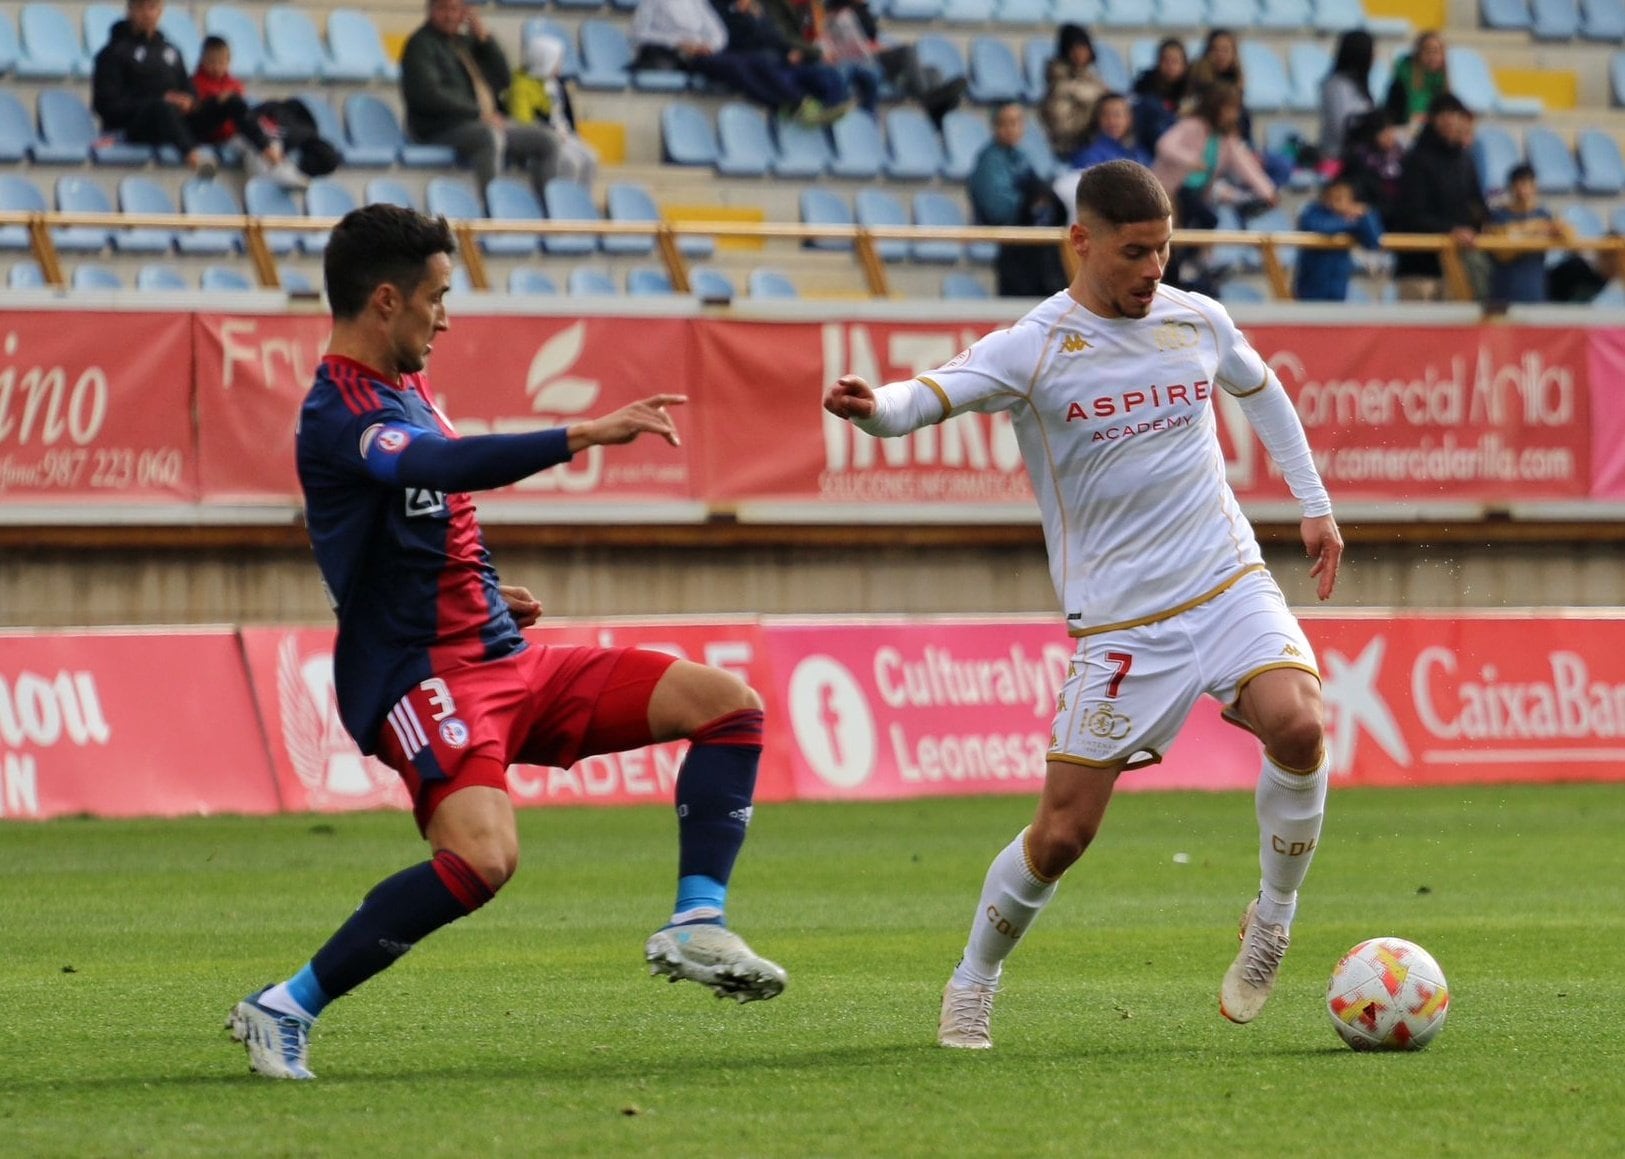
525	608
1323	543
644	417
850	398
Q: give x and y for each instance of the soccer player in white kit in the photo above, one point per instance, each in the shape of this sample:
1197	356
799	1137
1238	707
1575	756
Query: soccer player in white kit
1111	387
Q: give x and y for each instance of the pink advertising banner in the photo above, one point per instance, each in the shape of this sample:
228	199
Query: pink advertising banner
1606	353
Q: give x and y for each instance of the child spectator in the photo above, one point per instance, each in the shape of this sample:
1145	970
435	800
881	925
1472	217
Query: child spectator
223	112
1521	277
1323	275
1159	92
1109	137
538	96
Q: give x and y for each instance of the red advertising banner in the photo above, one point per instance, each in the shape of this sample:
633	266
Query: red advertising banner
319	768
96	408
1606	349
131	724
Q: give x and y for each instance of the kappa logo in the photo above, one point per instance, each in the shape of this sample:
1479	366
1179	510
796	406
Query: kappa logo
1075	344
1292	650
1106	723
1176	336
454	732
422	502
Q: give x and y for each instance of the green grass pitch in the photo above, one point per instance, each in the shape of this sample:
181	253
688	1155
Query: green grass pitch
532	1028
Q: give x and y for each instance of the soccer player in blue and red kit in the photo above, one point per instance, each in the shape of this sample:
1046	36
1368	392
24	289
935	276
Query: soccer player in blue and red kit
432	673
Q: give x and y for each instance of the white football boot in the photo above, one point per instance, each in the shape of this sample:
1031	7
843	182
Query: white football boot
713	956
1251	977
278	1044
967	1012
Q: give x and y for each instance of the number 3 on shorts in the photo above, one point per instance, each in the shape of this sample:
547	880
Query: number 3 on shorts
1122	661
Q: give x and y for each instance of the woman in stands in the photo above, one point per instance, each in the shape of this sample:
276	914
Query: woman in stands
1220	63
1345	93
1108	137
1419	76
1159	92
1072	85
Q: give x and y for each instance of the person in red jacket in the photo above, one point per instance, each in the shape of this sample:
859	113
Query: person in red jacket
222	112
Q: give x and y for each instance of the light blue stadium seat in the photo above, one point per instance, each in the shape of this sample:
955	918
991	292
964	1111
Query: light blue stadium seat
25	275
356	49
10	49
1022	11
766	283
1616	77
744	148
1603	20
17	139
626	201
50	45
142	195
570	201
710	284
389	191
81	195
995	77
224	280
579	5
648	282
1341	15
1239	15
295	281
328	125
1504	15
1494	151
1472	81
570	66
87	276
914	151
522	3
938	209
1126	14
21	195
1308	63
263	197
964	133
858	150
1602	171
914	9
529	280
160	277
293	47
686	135
938	52
1268	89
1233	293
376	136
182	31
1278	139
325	198
1554	19
587	282
1274	221
511	199
1181	14
1585	221
97	20
1036	145
1035	54
801	151
68	134
1084	12
964	287
1555	170
606	58
452	198
1112	67
238	29
877	207
966	11
209	198
822	207
1286	15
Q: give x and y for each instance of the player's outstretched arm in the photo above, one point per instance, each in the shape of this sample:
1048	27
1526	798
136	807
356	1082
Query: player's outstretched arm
850	397
1324	544
895	409
647	416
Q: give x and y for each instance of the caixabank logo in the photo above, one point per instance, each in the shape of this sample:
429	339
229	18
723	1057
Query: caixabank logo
329	765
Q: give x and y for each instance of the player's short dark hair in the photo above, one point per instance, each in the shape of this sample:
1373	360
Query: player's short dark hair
1447	102
1121	193
377	244
1523	171
213	43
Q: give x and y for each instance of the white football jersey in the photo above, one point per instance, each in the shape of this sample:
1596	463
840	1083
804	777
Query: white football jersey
1115	420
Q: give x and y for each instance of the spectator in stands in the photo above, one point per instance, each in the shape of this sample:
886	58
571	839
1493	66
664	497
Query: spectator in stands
1345	92
849	35
1439	193
1006	190
1109	137
538	96
1072	85
824	96
1159	93
1373	153
140	88
1420	76
1220	63
1521	277
1323	275
222	100
453	72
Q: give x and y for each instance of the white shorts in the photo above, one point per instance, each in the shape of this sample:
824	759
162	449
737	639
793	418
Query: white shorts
1128	692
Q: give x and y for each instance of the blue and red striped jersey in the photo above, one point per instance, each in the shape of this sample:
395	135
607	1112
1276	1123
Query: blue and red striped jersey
405	567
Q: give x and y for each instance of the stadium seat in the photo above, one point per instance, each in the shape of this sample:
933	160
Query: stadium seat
995	77
87	276
765	283
1238	15
964	286
858	150
20	195
1554	19
210	199
937	209
1234	293
821	207
966	11
1181	14
626	201
1036	145
377	138
801	151
570	201
1584	221
744	148
875	208
511	199
263	197
1279	139
452	198
1504	15
580	5
1112	67
686	136
1309	63
1275	220
1126	14
68	134
1495	151
709	284
570	66
606	58
1616	77
160	277
97	20
1285	15
238	29
1268	89
528	280
1084	12
16	130
1035	54
1602	171
388	191
293	47
295	281
586	282
914	151
224	280
25	275
964	134
1555	170
356	49
50	45
328	125
181	30
10	49
1342	15
325	198
1022	11
915	9
940	53
1602	20
1472	81
142	195
647	282
81	195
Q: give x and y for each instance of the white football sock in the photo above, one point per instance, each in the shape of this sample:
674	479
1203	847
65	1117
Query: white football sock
279	998
1291	807
1012	897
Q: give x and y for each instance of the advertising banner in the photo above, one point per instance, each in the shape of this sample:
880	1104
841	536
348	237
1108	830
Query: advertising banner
132	724
96	408
1607	368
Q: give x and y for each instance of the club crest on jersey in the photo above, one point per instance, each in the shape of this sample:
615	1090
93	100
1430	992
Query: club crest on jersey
1176	336
1106	723
393	440
422	502
454	732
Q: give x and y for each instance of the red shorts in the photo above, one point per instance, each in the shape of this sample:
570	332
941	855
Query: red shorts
542	706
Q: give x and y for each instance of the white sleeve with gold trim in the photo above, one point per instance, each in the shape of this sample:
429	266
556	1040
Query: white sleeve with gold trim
1241	369
993	375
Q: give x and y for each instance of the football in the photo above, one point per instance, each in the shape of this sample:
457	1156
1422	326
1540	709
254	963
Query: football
1387	994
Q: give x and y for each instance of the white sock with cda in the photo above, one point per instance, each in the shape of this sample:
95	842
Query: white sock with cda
1012	897
1291	806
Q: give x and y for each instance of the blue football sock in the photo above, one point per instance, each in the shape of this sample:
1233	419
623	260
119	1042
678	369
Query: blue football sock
714	792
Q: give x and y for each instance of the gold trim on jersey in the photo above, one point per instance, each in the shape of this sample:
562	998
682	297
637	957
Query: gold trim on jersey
1255	390
1309	772
1228	712
1171	612
1152	757
942	396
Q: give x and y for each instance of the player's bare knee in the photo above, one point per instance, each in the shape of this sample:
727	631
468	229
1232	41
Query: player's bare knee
1054	846
495	862
1297	741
